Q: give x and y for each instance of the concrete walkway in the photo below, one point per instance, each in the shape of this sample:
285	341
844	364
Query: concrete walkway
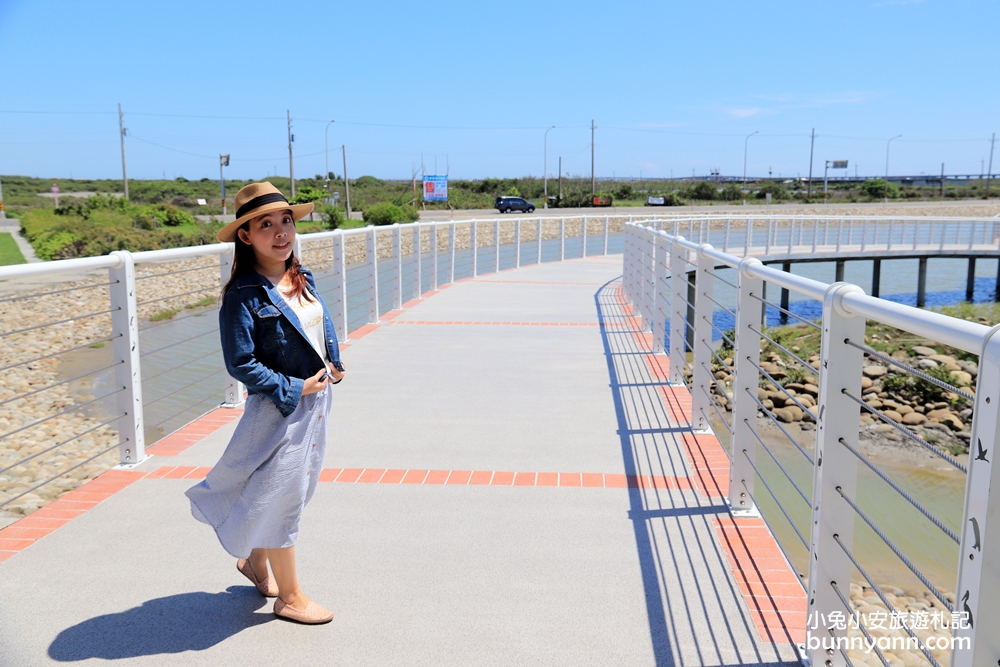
510	482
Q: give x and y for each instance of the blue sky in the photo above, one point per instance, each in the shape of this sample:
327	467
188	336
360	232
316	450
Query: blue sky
471	87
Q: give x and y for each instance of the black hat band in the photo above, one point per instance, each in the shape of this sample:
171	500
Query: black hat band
256	202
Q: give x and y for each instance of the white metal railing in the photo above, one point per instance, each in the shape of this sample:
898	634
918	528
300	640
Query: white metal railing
672	280
362	274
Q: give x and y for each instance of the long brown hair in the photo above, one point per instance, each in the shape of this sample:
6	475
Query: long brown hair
244	261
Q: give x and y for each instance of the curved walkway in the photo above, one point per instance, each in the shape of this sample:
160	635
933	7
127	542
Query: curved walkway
510	482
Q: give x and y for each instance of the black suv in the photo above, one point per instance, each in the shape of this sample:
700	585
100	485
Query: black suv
508	204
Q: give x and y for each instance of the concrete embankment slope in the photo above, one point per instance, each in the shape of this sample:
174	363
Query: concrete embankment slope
508	482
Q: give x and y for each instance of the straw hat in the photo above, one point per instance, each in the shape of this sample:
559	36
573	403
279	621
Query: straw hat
257	199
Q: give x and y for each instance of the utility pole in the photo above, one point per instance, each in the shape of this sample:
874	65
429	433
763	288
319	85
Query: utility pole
223	163
3	216
593	183
812	145
545	168
989	172
122	131
291	160
560	180
347	183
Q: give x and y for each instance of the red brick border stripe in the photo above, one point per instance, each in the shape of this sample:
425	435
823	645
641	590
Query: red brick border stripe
194	432
498	323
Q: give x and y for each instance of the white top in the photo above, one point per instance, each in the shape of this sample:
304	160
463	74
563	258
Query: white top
310	314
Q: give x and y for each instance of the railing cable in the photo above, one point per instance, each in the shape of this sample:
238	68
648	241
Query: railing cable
905	431
871	466
899	554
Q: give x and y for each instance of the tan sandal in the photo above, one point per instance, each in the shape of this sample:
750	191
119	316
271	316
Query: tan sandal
267	587
313	614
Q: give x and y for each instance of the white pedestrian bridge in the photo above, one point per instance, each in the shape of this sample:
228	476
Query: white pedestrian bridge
551	448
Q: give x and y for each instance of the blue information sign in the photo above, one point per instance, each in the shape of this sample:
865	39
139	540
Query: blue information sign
435	188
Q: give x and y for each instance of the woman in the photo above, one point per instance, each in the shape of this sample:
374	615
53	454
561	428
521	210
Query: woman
278	340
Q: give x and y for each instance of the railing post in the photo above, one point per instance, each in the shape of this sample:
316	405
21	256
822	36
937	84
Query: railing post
647	292
978	574
661	305
840	232
496	246
371	250
397	267
746	359
339	302
538	240
605	249
815	233
701	381
473	243
433	232
418	258
584	252
791	234
451	252
749	233
835	469
864	234
888	245
562	239
125	330
725	237
517	243
234	389
678	310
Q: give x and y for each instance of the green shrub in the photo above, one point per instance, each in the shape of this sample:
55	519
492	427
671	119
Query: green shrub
704	191
671	199
332	216
877	188
385	213
777	192
368	182
731	192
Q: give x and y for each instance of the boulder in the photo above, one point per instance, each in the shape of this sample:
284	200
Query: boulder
942	358
962	378
904	410
866	383
874	371
938	413
927	363
784	415
893	415
812	390
924	351
953	422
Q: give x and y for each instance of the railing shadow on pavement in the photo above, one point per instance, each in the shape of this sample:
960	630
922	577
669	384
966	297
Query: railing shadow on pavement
171	624
649	446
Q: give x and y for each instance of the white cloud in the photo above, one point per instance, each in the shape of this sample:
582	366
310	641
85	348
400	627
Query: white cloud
745	112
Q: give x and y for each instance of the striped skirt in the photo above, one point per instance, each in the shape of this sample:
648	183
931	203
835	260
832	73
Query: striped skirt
254	495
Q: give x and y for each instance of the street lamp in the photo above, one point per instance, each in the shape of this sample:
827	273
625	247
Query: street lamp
223	163
746	142
326	151
885	199
545	168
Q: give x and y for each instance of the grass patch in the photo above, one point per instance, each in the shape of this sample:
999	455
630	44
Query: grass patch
96	346
9	252
201	303
167	314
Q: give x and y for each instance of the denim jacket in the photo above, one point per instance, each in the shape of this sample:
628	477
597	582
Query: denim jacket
263	343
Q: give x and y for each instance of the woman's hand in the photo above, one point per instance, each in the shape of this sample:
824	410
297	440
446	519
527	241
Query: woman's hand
315	384
335	375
